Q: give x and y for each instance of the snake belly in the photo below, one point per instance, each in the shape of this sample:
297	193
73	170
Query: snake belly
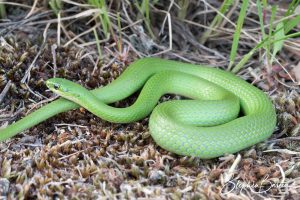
206	125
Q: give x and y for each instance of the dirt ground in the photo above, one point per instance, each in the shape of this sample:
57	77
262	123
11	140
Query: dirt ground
76	155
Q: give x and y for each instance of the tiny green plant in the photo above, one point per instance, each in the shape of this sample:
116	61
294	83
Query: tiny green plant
2	10
56	5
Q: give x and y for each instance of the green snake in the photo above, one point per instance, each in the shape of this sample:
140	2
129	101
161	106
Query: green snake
221	113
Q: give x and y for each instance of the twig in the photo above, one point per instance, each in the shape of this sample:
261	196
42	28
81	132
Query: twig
165	19
287	138
38	95
71	125
32	9
15	4
286	151
76	16
81	34
11	115
39	103
53	51
170	34
5	90
27	73
232	23
45	32
228	175
58	28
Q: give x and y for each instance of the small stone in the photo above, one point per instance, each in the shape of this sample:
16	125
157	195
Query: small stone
4	187
157	176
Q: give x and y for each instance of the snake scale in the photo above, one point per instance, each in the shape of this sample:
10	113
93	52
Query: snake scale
221	113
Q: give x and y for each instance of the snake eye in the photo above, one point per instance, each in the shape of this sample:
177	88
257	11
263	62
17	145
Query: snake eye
56	86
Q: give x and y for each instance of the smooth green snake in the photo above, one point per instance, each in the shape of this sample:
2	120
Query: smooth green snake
222	113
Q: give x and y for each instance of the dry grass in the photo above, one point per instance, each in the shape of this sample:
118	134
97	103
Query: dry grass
78	156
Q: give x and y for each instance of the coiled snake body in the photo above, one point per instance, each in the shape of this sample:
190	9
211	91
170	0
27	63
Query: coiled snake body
204	126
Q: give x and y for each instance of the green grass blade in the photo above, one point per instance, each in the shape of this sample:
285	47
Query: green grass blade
277	46
183	4
2	10
297	34
120	32
237	32
105	17
97	43
291	24
292	7
273	12
243	61
261	21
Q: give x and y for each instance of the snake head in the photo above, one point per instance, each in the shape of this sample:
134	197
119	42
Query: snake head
63	87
